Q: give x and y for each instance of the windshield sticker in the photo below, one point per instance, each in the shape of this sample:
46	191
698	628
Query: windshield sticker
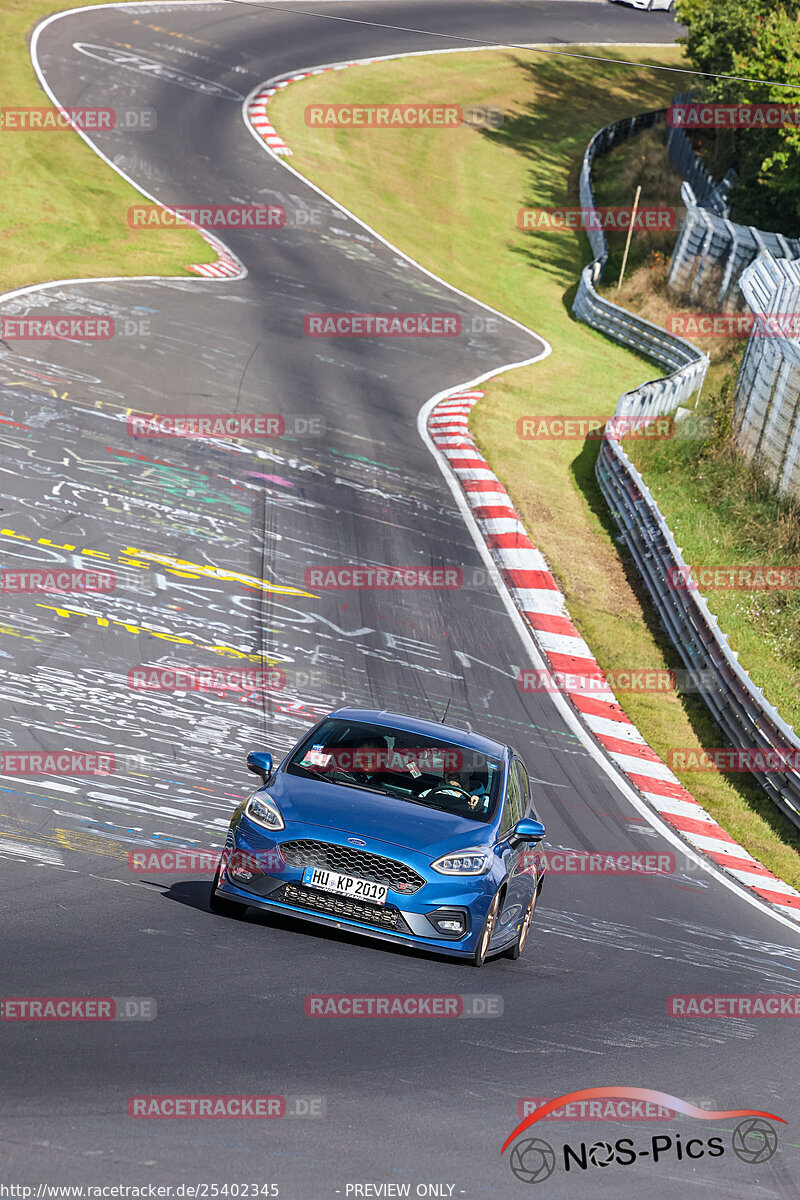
315	758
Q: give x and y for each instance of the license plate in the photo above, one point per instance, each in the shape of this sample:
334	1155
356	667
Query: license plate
345	885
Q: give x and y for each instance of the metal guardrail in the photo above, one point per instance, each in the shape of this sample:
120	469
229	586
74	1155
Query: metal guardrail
745	717
710	194
601	143
686	364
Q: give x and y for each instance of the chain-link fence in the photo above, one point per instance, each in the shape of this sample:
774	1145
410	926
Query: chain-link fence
767	403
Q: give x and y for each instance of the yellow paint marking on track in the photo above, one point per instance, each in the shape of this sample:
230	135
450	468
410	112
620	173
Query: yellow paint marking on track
13	632
146	559
265	585
76	839
187	37
223	651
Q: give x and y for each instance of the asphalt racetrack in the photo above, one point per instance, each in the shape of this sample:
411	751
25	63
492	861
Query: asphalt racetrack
382	1102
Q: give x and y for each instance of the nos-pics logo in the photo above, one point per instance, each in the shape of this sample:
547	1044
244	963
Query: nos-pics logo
532	1160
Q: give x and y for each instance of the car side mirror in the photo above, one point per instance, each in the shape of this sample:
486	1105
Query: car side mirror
260	763
527	830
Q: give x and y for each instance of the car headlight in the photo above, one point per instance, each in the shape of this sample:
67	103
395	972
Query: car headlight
463	862
264	811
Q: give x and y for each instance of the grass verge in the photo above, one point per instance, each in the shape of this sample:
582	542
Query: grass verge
723	513
644	161
450	199
64	212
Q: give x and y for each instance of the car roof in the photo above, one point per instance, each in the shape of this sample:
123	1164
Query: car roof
461	737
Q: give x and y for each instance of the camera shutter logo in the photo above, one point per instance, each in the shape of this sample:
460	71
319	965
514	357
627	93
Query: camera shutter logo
754	1141
533	1160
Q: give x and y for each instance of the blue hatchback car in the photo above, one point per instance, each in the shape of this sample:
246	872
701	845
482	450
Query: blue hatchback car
393	827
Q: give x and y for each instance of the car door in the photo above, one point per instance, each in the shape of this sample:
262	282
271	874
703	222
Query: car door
532	859
520	884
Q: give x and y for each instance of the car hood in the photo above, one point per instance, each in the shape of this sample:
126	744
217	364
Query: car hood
358	813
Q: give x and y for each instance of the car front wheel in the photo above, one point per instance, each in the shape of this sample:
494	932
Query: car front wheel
221	906
525	928
482	949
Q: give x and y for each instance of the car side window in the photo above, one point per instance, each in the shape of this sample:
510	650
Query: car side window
525	787
512	811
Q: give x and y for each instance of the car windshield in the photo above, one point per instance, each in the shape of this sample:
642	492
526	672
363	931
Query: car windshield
407	766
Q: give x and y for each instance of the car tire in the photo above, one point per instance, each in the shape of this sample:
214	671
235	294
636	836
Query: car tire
516	949
489	926
220	905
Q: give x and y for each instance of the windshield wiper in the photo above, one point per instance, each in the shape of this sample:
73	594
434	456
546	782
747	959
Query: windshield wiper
307	771
362	787
339	782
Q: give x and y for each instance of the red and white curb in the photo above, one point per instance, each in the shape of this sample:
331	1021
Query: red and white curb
544	609
227	265
257	112
257	107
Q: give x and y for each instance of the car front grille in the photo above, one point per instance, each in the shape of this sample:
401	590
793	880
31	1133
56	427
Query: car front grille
350	861
338	906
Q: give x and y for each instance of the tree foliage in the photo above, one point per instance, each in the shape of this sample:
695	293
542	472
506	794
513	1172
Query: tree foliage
758	40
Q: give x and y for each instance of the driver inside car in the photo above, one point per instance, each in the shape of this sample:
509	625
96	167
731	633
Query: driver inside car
360	762
451	788
363	762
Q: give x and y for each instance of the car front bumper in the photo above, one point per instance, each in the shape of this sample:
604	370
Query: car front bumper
464	948
403	919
